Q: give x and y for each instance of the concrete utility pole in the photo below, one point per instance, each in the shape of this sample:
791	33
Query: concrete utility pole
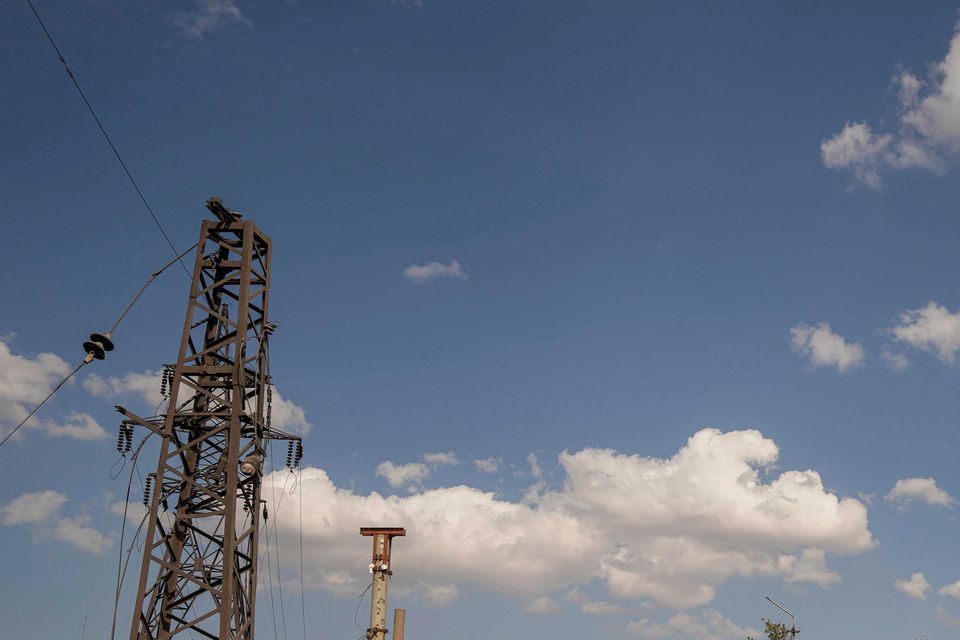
380	568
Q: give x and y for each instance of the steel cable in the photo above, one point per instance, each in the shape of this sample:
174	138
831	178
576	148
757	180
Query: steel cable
106	136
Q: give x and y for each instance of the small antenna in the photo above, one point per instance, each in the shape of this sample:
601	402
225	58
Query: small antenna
793	631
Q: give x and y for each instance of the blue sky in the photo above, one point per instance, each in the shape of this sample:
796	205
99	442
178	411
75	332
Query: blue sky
626	222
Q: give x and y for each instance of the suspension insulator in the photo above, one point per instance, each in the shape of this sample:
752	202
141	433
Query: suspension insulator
299	455
269	404
247	498
166	382
290	454
146	490
121	438
129	439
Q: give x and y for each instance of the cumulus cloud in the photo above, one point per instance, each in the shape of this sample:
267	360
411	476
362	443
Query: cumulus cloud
932	328
952	590
209	16
24	382
412	474
423	273
79	426
925	490
288	416
945	618
927	135
32	508
916	587
896	361
441	459
857	148
543	605
707	625
591	606
40	511
824	348
665	530
145	387
399	475
440	594
488	465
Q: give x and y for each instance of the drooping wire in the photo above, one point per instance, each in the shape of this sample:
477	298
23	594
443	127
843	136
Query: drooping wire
121	565
93	584
266	531
86	361
42	402
106	136
303	606
276	548
153	276
357	611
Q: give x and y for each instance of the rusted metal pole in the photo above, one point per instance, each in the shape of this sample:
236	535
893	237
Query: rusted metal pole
380	568
399	619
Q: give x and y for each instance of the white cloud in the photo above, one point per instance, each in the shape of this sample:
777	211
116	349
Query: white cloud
925	490
41	512
952	590
857	148
440	594
896	361
669	530
441	459
591	606
928	131
932	329
145	386
411	475
24	382
488	465
945	618
32	508
422	273
79	426
543	605
824	348
809	566
398	475
916	587
209	16
288	416
708	625
74	531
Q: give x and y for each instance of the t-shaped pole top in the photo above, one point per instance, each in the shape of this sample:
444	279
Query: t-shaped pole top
382	540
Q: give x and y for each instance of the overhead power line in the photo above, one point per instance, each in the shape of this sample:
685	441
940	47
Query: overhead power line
90	355
106	136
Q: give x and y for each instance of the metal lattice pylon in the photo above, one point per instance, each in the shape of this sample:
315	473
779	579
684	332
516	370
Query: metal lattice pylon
199	570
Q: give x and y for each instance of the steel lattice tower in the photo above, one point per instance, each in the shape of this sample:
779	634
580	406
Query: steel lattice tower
199	570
